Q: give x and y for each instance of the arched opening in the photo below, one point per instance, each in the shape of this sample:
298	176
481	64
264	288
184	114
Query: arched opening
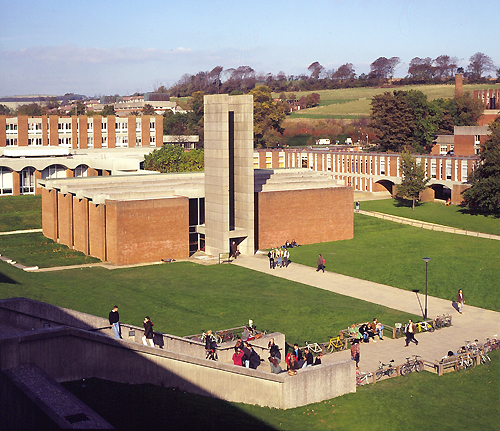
27	183
81	171
54	171
383	186
441	192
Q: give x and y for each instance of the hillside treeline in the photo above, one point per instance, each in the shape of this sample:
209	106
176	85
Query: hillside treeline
420	71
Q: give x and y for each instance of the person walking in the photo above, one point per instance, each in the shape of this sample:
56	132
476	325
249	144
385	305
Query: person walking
355	351
410	333
270	255
357	206
321	263
148	332
460	301
114	321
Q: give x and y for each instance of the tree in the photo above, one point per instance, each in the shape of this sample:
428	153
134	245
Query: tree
383	68
402	119
173	158
346	71
267	115
421	69
478	64
413	178
4	110
484	195
445	66
148	110
31	110
312	99
316	69
108	110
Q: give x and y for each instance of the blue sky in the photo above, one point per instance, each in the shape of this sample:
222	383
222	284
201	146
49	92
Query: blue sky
109	46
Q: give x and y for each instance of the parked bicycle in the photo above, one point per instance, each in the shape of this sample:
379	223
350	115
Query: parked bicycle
425	327
385	370
315	347
442	321
464	361
363	378
411	365
335	344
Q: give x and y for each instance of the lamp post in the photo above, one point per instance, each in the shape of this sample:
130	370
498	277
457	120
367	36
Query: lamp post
426	260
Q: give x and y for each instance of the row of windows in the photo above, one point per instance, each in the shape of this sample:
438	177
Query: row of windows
66	127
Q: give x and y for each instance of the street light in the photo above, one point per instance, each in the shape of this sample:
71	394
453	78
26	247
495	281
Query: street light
426	260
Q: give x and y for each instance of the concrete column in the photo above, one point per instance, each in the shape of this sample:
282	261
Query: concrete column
229	176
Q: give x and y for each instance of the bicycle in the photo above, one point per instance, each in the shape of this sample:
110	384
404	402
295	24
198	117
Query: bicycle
425	327
442	321
335	344
363	378
464	361
315	347
224	336
385	370
410	366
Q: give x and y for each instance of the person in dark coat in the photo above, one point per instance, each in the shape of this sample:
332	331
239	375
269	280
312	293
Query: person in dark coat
148	332
114	321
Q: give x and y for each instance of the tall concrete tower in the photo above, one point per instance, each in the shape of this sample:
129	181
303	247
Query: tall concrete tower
229	175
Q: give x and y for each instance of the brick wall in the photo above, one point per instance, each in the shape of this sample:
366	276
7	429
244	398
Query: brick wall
22	131
65	219
97	231
3	132
308	216
148	230
49	213
464	145
456	193
81	224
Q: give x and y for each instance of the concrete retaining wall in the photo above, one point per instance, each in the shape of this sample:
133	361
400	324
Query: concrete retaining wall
68	354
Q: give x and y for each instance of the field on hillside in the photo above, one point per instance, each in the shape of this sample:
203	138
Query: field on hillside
355	102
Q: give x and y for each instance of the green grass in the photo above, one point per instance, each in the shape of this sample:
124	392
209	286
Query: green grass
435	212
186	298
20	213
356	102
466	400
391	253
33	249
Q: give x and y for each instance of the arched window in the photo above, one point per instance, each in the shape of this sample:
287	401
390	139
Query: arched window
27	186
6	181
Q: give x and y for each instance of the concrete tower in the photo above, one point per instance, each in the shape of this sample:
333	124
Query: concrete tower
229	175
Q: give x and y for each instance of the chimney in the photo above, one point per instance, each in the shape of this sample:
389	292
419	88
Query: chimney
458	84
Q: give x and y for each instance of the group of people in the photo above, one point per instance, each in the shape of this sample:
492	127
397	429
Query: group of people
367	330
114	321
295	359
279	257
245	356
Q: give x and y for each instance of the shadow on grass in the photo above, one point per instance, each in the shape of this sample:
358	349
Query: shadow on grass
6	279
152	407
406	203
476	212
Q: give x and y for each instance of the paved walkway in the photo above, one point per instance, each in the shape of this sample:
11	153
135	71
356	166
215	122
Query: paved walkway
474	323
427	225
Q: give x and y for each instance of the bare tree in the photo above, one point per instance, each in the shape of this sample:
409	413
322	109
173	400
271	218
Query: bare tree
479	63
316	69
445	66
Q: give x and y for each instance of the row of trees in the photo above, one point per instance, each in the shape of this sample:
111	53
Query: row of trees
402	119
420	70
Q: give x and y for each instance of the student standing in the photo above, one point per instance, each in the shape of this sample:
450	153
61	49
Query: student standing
460	301
114	321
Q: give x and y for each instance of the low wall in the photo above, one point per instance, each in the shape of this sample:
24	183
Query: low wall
68	354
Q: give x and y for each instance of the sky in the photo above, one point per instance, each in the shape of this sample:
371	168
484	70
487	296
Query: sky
104	47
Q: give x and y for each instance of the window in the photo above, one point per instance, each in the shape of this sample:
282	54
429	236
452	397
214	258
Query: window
34	141
433	169
6	181
81	171
64	142
104	142
121	141
138	127
11	128
152	125
382	166
464	171
138	141
152	141
54	171
27	185
11	142
90	126
448	169
104	126
90	141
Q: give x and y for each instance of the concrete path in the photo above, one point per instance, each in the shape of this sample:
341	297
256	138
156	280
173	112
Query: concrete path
474	323
15	232
429	226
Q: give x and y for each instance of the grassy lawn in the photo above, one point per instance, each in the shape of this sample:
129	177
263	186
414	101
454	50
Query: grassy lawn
434	212
33	249
20	213
465	400
186	298
391	253
356	101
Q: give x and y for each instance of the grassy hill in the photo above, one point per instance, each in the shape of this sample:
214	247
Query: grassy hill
355	102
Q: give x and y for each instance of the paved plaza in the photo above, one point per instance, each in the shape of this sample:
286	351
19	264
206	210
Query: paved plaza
474	323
